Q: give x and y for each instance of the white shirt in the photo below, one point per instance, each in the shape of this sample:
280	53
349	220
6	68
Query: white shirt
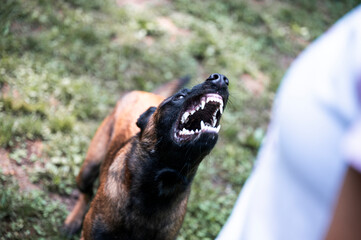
316	127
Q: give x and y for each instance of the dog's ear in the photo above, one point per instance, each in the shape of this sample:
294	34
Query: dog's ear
144	118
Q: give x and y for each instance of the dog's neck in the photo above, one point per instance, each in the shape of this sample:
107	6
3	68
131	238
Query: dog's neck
160	181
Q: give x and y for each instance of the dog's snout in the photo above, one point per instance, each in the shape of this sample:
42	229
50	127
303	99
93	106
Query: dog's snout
218	79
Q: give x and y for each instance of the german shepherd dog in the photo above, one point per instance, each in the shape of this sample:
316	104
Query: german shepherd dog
147	152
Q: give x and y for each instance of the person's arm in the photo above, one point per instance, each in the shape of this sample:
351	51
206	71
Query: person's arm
346	221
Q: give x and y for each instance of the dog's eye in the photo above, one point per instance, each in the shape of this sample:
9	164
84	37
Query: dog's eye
178	97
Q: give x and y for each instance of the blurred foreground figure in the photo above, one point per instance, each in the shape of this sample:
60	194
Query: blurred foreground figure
308	173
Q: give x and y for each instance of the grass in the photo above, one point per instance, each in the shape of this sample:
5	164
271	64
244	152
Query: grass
63	64
29	215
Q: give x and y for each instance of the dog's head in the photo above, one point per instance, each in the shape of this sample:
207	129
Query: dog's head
188	122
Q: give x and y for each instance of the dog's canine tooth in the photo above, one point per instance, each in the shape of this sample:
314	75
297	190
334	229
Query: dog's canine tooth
218	128
202	125
185	117
203	103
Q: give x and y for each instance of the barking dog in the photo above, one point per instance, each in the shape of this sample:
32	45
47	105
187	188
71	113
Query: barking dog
147	157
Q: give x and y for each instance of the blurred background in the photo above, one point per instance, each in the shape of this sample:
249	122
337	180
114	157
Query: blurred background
64	63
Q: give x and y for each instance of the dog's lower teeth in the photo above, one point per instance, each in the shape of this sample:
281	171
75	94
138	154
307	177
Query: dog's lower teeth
218	128
205	127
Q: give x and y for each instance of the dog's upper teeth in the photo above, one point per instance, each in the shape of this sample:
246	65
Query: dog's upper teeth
185	117
203	103
215	99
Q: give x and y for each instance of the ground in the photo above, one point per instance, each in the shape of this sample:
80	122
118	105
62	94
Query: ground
63	65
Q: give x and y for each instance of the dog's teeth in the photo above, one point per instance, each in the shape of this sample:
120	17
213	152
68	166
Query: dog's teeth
185	117
218	128
202	125
203	103
221	109
215	113
193	111
192	132
184	131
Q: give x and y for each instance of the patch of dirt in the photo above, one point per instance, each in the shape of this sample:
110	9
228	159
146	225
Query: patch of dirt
255	86
17	170
20	169
174	31
7	91
168	26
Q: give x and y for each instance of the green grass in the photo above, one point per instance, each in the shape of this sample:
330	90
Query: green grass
63	65
29	215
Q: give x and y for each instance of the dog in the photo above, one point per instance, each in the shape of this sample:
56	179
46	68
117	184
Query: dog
146	153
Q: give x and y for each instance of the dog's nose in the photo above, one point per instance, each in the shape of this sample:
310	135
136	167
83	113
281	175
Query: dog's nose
218	79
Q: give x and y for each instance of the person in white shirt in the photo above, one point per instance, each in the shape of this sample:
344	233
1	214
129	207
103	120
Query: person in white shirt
312	149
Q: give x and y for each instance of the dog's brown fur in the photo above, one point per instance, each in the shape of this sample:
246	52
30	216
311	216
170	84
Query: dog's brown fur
118	152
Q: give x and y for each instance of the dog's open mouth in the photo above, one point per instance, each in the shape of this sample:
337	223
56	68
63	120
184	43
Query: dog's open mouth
200	116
